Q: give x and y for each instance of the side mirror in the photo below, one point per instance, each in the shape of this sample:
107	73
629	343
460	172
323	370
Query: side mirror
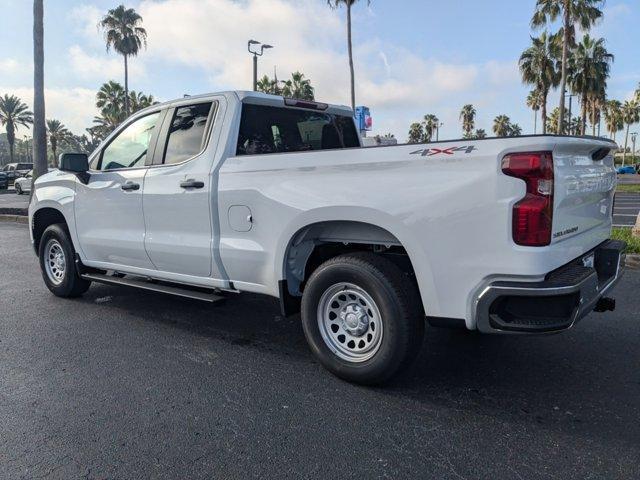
74	162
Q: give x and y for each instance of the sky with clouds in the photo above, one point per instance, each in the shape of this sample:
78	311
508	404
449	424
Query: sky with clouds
412	56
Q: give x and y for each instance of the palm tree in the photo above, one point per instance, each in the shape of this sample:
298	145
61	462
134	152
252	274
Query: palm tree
348	4
630	115
538	67
501	126
123	33
13	113
58	134
590	65
266	85
298	87
110	100
583	13
139	101
480	133
416	133
39	129
613	117
534	103
468	118
515	130
430	124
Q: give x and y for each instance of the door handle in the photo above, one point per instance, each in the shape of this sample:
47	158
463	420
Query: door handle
129	186
191	183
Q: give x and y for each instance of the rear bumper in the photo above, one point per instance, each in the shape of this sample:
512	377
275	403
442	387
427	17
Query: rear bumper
555	304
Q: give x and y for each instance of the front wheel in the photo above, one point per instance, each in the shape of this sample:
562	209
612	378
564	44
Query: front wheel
362	317
57	263
18	189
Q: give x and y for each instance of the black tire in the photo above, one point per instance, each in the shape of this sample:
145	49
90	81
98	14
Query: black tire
397	300
70	284
18	189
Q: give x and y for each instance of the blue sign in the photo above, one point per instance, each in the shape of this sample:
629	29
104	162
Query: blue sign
363	119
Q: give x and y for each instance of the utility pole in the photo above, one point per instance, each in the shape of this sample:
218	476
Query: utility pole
256	53
438	125
634	135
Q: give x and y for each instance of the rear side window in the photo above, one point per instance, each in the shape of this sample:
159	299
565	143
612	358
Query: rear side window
187	133
276	130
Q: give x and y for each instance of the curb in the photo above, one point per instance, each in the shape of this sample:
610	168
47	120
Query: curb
633	262
14	218
14	211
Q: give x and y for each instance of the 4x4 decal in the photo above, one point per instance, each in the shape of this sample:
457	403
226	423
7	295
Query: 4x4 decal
430	152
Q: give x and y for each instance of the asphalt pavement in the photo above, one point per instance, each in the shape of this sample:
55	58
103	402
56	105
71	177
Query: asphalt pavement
626	209
131	384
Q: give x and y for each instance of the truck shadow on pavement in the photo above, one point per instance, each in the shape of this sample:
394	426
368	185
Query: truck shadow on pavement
585	381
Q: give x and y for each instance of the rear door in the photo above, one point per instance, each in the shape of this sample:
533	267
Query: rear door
108	208
585	180
180	193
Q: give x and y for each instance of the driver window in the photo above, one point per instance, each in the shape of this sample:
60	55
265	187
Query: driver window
129	148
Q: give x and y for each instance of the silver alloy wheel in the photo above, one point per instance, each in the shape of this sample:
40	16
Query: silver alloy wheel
55	262
350	322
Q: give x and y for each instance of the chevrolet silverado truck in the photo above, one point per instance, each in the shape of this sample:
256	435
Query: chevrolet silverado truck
247	192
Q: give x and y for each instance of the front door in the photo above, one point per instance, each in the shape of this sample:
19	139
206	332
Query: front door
108	208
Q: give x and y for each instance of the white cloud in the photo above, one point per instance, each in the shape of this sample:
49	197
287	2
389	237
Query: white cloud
102	67
75	107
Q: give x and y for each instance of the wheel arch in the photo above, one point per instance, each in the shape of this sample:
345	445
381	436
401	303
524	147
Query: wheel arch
353	229
42	218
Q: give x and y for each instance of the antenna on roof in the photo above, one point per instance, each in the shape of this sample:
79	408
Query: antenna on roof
185	95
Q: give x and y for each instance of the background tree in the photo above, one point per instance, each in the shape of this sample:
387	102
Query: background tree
502	126
468	119
534	103
348	4
613	117
416	133
480	134
590	65
13	113
139	101
538	67
58	134
554	120
630	115
267	85
430	124
515	130
124	34
582	13
299	87
39	128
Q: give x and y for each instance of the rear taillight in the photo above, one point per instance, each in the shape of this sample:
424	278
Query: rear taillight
533	215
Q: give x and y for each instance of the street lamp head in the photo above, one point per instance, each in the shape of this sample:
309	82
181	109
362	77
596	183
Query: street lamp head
264	47
253	42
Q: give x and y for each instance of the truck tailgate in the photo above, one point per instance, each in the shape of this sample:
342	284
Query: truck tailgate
584	187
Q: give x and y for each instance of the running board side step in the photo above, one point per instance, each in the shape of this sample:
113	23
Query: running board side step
154	287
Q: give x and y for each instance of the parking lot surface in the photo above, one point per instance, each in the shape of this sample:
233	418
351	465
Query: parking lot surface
9	199
130	384
626	209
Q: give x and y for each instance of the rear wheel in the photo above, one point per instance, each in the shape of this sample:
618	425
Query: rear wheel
362	317
57	263
18	189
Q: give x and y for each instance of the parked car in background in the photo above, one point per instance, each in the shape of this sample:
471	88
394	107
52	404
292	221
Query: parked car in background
23	184
16	170
4	181
629	169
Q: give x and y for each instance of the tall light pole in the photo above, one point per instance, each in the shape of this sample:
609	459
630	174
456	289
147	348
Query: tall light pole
634	135
438	125
256	53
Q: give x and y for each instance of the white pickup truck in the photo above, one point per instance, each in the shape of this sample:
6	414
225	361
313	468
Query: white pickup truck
246	192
